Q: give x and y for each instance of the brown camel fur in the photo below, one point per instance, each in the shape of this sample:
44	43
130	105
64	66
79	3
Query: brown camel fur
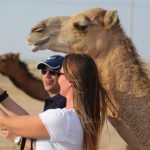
18	73
98	33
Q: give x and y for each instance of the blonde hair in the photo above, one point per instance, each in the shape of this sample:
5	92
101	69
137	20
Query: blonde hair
88	96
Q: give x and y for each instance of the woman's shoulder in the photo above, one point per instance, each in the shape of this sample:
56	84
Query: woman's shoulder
57	113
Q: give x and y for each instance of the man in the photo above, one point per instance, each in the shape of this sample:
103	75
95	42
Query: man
50	73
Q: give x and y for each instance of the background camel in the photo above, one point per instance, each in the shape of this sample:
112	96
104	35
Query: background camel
98	33
18	72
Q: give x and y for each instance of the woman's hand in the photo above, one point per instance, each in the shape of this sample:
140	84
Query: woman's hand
7	134
3	128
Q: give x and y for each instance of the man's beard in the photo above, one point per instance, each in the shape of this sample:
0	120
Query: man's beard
53	90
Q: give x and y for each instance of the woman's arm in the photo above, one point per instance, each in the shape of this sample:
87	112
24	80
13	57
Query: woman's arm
29	126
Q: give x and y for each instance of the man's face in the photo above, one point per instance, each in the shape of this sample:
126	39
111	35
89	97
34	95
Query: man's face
50	80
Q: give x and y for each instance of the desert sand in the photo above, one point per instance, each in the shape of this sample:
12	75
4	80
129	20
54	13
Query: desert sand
110	138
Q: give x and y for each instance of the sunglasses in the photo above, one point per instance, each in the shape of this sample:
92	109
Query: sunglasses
51	72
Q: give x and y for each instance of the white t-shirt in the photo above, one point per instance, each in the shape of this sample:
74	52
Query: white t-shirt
64	128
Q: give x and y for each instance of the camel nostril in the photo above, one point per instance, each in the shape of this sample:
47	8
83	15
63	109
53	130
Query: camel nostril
36	43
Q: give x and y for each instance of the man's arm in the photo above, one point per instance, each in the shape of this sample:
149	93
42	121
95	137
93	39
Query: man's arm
11	105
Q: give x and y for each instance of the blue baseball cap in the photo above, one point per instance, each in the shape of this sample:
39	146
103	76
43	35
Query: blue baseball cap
53	62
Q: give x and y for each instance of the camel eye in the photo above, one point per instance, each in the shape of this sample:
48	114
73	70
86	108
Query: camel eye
38	28
80	28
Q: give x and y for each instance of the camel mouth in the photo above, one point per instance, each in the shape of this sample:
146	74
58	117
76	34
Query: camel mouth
37	45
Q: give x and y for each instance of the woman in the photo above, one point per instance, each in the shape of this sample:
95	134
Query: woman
78	125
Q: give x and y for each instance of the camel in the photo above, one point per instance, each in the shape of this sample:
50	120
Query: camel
98	32
18	72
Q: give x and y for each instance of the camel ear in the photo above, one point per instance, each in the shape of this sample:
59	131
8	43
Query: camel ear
110	18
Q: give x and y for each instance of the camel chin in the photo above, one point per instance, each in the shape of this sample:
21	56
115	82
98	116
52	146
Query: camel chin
34	48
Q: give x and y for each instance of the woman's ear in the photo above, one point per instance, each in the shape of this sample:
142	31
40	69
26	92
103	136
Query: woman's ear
70	84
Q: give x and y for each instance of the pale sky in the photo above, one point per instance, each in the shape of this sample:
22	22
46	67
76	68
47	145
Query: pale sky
17	18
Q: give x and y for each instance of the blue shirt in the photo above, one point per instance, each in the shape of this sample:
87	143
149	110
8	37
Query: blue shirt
57	101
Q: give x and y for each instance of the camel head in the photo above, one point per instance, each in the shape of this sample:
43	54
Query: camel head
85	32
